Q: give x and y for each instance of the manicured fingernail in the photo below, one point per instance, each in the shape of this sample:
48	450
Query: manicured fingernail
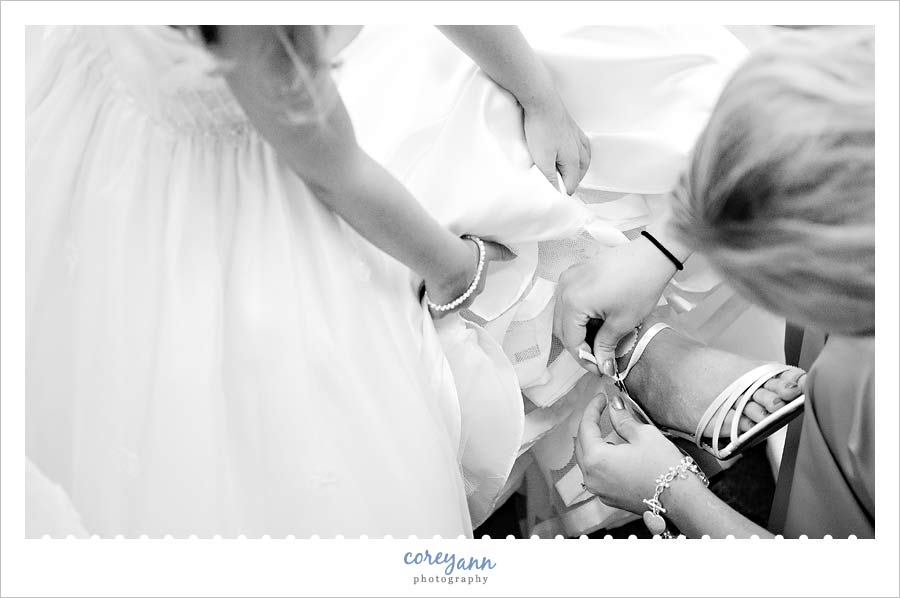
617	402
587	356
792	385
608	368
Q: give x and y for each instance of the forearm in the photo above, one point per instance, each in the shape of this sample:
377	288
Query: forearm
324	153
696	512
383	211
661	230
505	56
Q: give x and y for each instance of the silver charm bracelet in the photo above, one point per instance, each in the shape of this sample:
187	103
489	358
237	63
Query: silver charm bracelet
652	517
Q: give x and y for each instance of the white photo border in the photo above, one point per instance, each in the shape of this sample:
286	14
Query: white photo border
376	567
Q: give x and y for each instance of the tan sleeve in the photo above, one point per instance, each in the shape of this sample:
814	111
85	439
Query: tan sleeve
861	442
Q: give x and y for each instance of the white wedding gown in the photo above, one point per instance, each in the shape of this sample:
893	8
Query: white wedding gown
211	351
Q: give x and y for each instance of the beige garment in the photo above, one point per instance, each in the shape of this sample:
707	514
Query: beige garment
833	490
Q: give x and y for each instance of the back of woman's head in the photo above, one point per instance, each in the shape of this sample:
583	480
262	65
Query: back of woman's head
780	193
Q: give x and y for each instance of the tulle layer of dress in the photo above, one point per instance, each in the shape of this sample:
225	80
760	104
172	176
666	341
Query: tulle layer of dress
642	95
210	351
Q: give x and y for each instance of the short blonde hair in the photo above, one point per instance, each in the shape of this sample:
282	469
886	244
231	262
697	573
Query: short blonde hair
780	192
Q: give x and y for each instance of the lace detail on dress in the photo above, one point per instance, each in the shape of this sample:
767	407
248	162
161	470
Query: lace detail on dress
169	78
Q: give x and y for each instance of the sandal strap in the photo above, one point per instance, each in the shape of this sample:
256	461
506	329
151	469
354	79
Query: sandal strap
635	357
736	395
640	346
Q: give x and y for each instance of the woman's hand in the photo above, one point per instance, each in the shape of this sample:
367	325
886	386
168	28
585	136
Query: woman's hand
556	142
554	139
622	475
459	274
620	286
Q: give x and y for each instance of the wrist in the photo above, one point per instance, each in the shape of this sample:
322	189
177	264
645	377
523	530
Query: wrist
661	231
658	267
540	96
682	496
453	278
677	486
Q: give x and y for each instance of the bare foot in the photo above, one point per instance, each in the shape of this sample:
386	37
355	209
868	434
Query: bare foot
677	378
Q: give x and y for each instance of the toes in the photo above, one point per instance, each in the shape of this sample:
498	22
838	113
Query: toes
755	412
745	423
708	432
795	375
726	426
787	389
775	394
770	400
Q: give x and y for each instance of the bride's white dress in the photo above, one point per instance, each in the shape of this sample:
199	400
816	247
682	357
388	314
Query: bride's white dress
211	351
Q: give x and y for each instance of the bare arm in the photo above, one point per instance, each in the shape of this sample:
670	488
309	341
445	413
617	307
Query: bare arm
640	271
625	474
696	511
555	140
503	53
325	154
662	231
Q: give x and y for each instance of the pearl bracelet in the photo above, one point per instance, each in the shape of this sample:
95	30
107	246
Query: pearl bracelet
471	289
652	518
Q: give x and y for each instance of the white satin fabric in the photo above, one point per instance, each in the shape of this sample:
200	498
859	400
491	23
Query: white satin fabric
210	351
642	96
48	509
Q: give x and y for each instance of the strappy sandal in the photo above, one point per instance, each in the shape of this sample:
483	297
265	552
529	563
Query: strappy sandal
736	395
